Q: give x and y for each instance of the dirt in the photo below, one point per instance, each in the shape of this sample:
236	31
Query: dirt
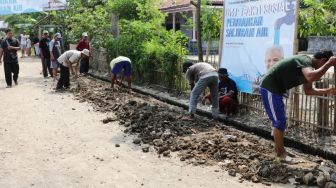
45	143
202	141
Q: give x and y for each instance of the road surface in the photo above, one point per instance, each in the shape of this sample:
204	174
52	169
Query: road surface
51	140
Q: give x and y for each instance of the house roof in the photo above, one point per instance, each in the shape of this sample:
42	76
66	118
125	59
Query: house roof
168	5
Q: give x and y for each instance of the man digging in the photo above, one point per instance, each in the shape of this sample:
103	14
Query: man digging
66	61
286	74
121	67
200	76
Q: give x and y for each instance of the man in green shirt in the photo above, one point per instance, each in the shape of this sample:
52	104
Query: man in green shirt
286	74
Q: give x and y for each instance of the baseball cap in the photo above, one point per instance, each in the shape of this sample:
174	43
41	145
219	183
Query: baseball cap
45	32
86	52
85	34
223	72
58	35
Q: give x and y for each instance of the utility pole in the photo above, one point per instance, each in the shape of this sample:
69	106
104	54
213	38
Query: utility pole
199	29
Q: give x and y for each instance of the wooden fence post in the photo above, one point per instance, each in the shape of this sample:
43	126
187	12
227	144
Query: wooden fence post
322	108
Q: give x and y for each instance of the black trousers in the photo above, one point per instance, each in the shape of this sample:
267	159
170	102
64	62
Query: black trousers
84	65
46	67
64	80
11	67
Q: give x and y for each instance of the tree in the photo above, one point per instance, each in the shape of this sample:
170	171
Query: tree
211	24
317	18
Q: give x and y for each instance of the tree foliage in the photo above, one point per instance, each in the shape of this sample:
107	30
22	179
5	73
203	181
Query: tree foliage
211	21
317	17
150	46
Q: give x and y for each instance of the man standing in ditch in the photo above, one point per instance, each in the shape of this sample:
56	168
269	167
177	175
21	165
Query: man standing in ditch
9	48
200	76
286	74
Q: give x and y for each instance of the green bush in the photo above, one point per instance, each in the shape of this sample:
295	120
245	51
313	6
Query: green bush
156	53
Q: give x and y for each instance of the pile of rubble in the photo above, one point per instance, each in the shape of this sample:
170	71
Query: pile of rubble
201	141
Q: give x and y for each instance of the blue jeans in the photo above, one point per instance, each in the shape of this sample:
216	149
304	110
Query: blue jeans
209	80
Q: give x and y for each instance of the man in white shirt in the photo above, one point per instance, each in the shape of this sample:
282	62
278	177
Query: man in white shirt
67	60
121	67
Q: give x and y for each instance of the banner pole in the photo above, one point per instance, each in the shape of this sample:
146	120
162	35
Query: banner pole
295	98
221	36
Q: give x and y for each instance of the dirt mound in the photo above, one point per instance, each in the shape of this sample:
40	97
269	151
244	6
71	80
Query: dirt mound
200	141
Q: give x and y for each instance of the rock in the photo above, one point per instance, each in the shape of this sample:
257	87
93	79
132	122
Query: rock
166	153
201	161
73	108
317	160
243	168
108	120
232	173
145	149
132	103
231	138
308	179
265	171
321	180
325	169
255	179
243	156
136	141
117	145
157	142
333	177
292	181
330	185
267	183
166	134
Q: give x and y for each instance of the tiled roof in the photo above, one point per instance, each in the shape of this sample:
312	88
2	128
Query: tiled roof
171	3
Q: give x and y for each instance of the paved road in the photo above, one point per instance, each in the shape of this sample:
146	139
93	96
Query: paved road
48	139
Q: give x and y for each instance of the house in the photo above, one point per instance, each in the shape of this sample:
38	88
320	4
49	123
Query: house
178	14
179	11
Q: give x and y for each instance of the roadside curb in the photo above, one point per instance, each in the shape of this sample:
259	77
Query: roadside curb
289	142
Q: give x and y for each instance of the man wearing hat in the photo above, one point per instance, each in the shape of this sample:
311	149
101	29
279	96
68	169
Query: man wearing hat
67	60
228	93
84	43
45	54
200	76
121	67
55	53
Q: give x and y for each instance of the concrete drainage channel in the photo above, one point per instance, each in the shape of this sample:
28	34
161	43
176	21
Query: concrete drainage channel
289	142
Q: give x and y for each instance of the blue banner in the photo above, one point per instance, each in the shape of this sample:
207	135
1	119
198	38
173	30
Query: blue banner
28	6
257	34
